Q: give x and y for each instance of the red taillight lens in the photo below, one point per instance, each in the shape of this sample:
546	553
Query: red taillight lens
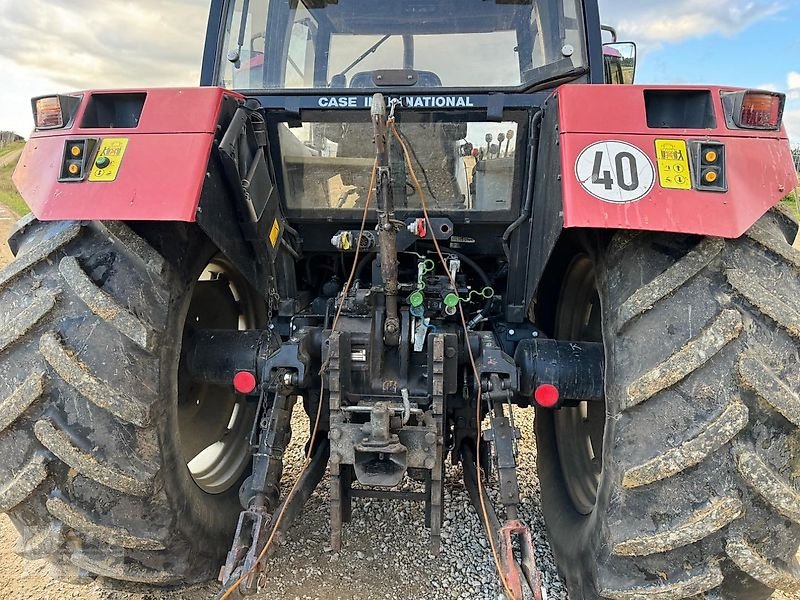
761	111
47	113
754	109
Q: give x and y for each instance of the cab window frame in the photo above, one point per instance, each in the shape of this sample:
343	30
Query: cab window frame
519	116
278	31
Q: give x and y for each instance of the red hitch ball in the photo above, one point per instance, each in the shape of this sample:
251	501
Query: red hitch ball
546	395
244	382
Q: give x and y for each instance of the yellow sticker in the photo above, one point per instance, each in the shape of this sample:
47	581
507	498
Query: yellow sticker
275	233
673	164
108	159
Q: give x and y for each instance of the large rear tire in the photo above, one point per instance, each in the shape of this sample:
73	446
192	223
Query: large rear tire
685	484
96	424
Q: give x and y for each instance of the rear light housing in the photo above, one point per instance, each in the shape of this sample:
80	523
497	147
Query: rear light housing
754	109
54	112
709	169
77	159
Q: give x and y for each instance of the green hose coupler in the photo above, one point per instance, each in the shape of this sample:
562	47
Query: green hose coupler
451	300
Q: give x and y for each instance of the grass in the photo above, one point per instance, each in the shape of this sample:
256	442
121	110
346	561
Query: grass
8	193
792	201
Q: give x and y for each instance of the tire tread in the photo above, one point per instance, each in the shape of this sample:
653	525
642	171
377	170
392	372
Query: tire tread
102	305
89	465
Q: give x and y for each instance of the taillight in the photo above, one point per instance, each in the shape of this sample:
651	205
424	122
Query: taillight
78	155
761	111
754	109
54	112
708	166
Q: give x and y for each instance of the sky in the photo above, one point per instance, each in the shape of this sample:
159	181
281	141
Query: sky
61	45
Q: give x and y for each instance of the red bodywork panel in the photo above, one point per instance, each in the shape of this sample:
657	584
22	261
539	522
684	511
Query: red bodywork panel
760	170
163	170
161	174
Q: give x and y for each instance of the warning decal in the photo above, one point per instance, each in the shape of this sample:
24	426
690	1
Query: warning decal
108	160
615	172
275	233
673	164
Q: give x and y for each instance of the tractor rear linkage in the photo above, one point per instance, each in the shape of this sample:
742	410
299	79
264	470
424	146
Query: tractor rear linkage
392	438
377	444
384	413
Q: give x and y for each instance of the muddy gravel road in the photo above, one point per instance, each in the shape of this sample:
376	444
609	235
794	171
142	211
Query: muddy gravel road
385	553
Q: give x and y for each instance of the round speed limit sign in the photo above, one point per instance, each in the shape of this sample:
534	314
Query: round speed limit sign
615	172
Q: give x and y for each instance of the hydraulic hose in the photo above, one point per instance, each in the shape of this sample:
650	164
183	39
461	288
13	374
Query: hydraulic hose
532	162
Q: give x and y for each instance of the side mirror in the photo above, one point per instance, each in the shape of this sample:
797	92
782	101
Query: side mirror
619	62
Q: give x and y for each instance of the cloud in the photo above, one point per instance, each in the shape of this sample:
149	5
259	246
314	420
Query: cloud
654	23
793	85
86	44
791	118
63	45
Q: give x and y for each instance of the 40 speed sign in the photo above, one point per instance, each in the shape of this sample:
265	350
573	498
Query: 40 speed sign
615	172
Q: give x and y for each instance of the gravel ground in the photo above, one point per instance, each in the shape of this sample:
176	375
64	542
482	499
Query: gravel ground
384	556
385	553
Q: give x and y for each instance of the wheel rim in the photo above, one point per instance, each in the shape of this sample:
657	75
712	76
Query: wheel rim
214	420
579	430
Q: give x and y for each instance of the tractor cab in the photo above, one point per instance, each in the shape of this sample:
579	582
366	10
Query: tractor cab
435	62
368	44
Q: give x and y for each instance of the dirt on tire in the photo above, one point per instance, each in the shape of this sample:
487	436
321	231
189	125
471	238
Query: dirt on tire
32	580
697	492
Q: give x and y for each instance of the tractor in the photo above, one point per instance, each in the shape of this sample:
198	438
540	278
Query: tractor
410	220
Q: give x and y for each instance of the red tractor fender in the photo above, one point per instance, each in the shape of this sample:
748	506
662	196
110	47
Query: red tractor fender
170	154
660	122
160	176
163	170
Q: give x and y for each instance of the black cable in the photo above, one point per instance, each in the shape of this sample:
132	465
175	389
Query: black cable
532	164
292	252
368	258
421	168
